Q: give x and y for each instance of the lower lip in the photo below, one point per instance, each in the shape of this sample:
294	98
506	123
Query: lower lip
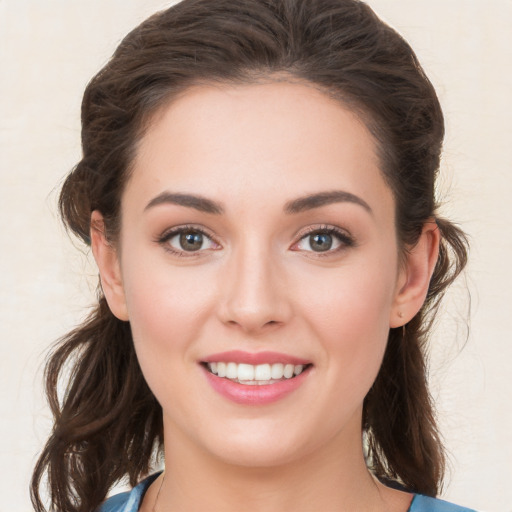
258	394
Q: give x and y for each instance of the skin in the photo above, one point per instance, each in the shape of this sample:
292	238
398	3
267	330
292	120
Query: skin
258	285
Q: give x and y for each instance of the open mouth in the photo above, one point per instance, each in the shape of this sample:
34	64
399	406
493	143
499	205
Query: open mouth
255	375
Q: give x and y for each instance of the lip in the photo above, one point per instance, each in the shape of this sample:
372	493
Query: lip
254	395
254	358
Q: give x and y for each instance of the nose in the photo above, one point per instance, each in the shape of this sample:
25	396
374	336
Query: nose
253	292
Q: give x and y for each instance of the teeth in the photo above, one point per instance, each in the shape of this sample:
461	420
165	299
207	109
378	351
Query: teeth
288	371
277	371
221	369
262	372
232	371
245	372
255	374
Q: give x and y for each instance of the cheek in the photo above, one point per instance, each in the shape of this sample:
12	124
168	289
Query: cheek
167	308
357	298
349	313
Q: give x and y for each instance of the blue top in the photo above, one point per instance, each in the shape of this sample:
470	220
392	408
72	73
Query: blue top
130	501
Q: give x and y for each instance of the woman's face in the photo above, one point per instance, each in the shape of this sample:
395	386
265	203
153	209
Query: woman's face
258	234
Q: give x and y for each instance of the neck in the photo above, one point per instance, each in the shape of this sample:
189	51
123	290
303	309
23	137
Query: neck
323	480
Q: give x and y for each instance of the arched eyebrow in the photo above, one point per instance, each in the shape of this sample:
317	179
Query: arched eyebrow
188	200
294	206
312	201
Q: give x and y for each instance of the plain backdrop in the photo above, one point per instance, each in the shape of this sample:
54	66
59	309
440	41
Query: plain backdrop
49	49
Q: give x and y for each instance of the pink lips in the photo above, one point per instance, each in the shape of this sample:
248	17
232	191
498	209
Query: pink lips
260	394
238	356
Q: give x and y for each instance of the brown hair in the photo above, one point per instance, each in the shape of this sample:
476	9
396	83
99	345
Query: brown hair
108	424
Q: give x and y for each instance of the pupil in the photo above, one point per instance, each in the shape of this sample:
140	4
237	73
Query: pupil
321	242
191	241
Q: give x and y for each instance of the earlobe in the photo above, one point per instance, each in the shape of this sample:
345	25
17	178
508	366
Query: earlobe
415	275
107	259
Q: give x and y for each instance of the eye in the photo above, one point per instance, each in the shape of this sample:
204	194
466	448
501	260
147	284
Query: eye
187	240
324	240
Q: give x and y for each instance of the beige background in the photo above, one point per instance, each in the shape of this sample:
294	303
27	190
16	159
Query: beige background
48	51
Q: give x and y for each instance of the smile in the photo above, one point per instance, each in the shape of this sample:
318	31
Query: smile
254	375
255	379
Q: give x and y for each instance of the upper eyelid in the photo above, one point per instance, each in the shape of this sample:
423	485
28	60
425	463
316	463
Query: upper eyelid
170	232
321	228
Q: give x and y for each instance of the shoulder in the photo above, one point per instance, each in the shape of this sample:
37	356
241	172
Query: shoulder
128	501
426	504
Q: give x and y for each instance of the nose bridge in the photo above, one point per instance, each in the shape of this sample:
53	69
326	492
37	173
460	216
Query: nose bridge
254	297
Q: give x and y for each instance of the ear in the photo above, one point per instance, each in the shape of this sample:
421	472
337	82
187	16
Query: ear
107	259
414	276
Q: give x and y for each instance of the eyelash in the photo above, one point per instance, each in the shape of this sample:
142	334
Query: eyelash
346	241
171	233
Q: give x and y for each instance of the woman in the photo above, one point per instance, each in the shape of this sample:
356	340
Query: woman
257	187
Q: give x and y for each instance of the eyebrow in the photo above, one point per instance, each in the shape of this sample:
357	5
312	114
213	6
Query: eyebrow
294	206
312	201
188	200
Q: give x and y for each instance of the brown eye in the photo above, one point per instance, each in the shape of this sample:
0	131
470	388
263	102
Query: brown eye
191	240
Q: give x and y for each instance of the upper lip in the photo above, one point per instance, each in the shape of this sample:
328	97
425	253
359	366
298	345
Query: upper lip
254	358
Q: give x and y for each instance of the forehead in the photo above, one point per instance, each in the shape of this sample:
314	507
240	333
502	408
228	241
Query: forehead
276	139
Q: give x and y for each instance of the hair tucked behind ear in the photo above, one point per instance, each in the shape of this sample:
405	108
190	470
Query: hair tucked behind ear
403	441
108	424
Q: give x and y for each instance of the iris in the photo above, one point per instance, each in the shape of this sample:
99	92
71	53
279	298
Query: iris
191	240
320	242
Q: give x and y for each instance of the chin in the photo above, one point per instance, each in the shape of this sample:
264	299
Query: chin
257	456
260	447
